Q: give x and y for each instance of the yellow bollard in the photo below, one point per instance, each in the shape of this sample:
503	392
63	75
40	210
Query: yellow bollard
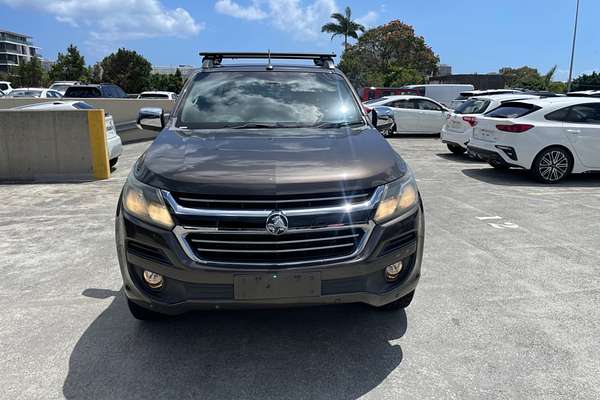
97	133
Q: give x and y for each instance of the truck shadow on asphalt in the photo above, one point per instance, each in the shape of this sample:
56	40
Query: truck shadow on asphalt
338	352
521	177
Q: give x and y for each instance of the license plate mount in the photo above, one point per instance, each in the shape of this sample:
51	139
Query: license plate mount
262	286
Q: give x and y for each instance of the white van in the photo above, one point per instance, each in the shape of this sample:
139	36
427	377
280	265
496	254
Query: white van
442	93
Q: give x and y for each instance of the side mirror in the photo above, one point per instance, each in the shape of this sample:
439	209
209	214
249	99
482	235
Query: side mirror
152	119
383	119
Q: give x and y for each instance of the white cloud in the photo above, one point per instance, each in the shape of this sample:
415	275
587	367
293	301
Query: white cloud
368	20
251	12
116	20
292	16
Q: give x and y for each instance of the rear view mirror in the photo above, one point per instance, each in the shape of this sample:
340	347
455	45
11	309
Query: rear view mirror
152	119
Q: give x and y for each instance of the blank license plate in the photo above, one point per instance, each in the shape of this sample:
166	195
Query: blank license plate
277	286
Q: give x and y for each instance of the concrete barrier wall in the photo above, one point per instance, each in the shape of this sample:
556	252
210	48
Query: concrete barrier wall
124	111
53	145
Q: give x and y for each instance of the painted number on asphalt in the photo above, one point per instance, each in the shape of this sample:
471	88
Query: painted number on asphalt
499	223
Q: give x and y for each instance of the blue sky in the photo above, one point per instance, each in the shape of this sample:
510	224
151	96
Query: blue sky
471	35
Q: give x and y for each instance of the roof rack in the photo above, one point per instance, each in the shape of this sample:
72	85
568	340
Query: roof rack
214	59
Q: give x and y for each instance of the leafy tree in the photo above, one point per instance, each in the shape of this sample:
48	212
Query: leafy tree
529	78
386	53
128	69
96	73
345	26
400	76
29	74
586	82
166	82
69	66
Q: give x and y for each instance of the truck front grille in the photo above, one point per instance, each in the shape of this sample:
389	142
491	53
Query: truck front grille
231	231
264	248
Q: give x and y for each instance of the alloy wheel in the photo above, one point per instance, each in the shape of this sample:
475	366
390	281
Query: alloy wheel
554	165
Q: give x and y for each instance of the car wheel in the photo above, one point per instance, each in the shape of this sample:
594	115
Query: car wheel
499	165
456	149
552	165
142	313
113	162
399	304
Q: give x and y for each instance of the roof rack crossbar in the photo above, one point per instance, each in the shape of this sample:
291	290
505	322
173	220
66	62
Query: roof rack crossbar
212	59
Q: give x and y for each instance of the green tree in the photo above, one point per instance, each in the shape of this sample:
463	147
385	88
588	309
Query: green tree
29	74
96	73
400	76
586	82
344	26
128	69
529	78
387	52
69	66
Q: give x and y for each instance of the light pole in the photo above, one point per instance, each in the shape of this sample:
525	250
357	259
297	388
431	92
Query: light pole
573	49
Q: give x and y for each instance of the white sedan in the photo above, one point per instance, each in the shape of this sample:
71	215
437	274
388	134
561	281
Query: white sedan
414	114
36	92
458	129
113	141
551	137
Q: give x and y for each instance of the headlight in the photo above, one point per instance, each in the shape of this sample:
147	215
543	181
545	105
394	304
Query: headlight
399	197
146	203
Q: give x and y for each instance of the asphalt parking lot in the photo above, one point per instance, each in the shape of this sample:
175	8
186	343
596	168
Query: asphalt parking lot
508	306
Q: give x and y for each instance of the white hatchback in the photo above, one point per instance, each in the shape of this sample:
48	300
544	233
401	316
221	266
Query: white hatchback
551	137
458	129
414	114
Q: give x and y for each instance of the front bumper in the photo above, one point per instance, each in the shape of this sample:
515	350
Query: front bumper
190	285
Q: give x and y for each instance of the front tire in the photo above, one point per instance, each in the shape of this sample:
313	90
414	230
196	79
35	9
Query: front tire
113	162
456	149
399	304
143	314
552	165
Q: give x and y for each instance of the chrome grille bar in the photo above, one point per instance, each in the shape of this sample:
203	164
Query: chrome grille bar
275	242
276	251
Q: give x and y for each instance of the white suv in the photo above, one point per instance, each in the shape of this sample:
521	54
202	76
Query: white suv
552	137
458	129
5	87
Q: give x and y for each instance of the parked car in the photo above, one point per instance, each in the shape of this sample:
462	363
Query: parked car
1	93
5	87
458	129
415	114
269	185
370	93
551	137
158	95
113	141
35	92
585	93
95	91
62	86
442	93
463	96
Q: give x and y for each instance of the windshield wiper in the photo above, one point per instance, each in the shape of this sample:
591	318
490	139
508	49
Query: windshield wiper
251	125
331	125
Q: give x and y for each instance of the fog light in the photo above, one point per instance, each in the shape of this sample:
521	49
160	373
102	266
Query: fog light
393	271
153	280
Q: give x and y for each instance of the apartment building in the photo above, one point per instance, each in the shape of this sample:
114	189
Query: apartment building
15	47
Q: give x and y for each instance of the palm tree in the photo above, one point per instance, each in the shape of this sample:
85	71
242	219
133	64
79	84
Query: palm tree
547	78
344	26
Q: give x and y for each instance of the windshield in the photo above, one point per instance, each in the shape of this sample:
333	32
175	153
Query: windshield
60	88
472	106
26	93
153	96
268	99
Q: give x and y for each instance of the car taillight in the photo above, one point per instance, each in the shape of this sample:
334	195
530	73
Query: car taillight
367	109
516	128
470	120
